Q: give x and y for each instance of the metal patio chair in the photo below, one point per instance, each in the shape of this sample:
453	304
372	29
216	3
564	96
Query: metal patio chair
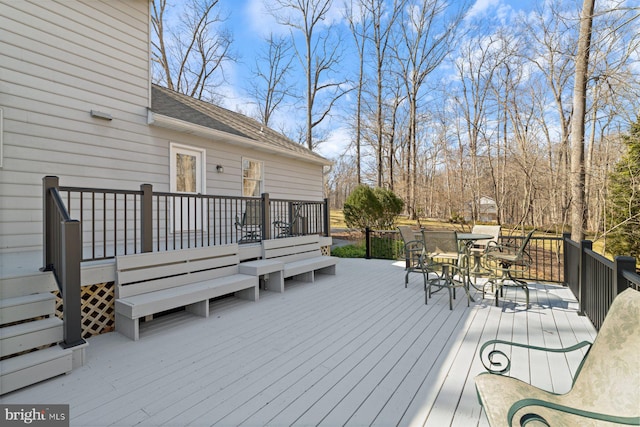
250	224
287	228
605	390
505	262
444	245
416	260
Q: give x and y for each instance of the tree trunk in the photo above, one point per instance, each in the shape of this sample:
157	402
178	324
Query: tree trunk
578	220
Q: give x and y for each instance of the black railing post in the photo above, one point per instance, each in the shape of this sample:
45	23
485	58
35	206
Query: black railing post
146	218
367	243
565	258
327	230
266	217
620	264
583	295
70	281
48	182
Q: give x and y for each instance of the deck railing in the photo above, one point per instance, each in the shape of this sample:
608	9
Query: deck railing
596	280
545	251
62	257
116	222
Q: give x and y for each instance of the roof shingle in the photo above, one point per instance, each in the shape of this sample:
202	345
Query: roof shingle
185	108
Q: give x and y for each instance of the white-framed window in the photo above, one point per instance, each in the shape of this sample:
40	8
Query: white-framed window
187	169
252	177
187	175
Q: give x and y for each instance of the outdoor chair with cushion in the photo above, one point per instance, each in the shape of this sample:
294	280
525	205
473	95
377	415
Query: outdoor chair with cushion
250	223
413	253
506	261
416	260
479	247
443	249
605	390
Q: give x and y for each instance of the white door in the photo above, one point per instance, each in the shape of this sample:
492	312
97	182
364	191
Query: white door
188	178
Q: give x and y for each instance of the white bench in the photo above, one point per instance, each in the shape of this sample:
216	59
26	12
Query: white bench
300	256
262	267
150	283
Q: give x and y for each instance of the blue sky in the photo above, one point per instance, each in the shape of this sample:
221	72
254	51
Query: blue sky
250	22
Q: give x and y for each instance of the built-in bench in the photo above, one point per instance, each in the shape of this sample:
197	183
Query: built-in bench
151	283
298	257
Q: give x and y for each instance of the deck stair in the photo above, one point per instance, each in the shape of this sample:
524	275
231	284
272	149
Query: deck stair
29	332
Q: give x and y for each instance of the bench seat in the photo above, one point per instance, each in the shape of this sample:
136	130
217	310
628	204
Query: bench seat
151	283
154	302
301	257
261	267
305	269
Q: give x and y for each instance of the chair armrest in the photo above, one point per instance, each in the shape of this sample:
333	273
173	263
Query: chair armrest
419	244
501	248
497	357
532	416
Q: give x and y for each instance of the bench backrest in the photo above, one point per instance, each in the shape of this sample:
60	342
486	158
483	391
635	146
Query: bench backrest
291	249
147	272
609	378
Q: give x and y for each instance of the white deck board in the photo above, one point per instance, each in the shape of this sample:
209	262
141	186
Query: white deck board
354	349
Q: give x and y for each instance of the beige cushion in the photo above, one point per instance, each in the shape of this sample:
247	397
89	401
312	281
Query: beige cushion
609	382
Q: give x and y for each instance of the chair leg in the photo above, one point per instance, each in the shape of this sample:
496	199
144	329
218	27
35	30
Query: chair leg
426	290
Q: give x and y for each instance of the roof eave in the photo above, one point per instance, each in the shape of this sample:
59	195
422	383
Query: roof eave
167	122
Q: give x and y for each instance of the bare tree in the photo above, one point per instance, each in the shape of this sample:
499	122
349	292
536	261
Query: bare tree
271	86
359	24
479	60
612	88
384	18
190	57
551	42
320	58
425	39
578	218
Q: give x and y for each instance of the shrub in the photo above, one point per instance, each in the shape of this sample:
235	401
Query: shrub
349	251
377	208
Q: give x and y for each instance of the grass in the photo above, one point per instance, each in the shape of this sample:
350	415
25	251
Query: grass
336	219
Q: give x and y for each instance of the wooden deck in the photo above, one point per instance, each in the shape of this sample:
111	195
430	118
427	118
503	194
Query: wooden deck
352	349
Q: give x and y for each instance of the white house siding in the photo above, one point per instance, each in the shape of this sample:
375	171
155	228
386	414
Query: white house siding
60	60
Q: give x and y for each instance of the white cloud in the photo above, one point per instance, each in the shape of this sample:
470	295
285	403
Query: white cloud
336	144
480	7
261	21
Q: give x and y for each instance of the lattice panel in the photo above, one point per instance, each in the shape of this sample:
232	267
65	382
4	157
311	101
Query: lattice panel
325	250
98	311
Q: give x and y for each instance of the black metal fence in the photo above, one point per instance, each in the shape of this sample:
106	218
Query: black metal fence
117	222
545	251
596	280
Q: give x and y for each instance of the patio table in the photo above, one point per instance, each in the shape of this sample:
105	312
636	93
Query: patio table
469	239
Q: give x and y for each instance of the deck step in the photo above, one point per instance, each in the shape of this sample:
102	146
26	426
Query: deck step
32	283
26	336
32	368
27	307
